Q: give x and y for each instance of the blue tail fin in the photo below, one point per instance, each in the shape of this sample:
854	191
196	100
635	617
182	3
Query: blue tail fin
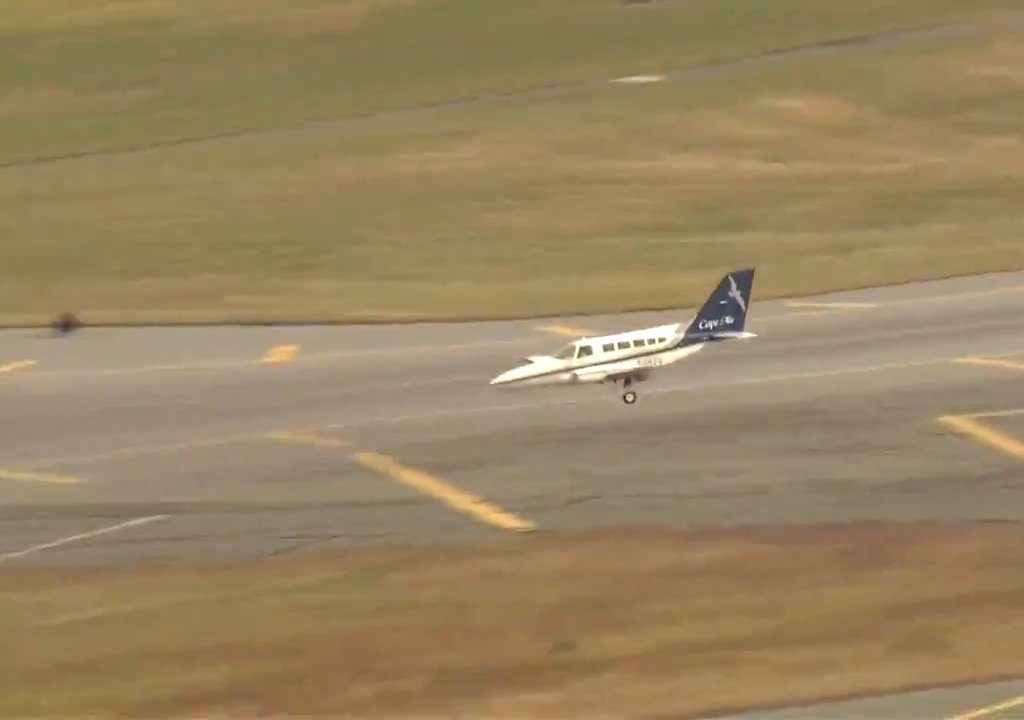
725	312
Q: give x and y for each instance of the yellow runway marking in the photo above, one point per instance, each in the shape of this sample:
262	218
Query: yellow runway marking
992	362
991	709
281	354
566	330
984	434
21	476
416	479
16	366
440	490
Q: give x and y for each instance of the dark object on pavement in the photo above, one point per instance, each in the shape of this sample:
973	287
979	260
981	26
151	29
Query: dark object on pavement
66	324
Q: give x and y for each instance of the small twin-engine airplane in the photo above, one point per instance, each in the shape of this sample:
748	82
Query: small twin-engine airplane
632	356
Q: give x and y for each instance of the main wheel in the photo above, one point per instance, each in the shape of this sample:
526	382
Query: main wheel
629	398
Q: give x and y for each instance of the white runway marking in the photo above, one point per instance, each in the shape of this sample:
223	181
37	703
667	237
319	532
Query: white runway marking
249	363
831	305
82	536
508	407
803	308
638	79
811	375
991	709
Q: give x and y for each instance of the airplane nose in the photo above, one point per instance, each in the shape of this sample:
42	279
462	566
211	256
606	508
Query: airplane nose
505	378
515	376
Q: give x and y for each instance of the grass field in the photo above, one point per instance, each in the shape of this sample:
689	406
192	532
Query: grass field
617	623
852	165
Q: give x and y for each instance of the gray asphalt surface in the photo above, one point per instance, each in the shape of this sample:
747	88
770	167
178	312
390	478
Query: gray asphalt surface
828	416
992	701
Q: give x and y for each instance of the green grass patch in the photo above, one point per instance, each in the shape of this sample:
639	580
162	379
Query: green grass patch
614	622
851	166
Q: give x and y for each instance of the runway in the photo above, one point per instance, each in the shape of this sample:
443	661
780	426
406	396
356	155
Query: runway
124	445
993	701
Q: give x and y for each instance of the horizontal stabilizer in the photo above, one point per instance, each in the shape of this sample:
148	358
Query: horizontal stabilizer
733	335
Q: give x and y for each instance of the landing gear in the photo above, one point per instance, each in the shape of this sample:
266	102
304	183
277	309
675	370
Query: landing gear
628	397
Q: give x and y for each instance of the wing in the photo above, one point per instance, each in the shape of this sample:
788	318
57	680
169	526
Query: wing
634	375
611	373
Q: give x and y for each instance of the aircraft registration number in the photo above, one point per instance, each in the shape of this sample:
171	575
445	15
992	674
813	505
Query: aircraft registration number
649	362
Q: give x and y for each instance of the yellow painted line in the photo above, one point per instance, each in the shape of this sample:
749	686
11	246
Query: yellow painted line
416	479
22	476
440	490
281	354
991	709
566	330
832	305
985	435
991	362
16	366
304	437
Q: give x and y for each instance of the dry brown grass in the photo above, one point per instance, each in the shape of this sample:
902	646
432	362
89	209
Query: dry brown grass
623	623
297	18
624	198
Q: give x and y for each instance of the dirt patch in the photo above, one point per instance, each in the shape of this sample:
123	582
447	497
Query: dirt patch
823	110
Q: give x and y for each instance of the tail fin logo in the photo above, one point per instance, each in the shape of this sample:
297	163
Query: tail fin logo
735	294
726	307
715	323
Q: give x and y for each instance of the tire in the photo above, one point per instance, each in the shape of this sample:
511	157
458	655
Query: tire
629	397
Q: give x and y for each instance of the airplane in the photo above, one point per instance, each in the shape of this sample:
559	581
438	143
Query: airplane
631	357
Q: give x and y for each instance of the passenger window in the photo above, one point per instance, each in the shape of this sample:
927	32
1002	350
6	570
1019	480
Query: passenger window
585	350
610	347
661	340
650	341
638	343
623	345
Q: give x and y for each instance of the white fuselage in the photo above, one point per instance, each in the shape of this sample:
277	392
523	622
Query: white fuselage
599	359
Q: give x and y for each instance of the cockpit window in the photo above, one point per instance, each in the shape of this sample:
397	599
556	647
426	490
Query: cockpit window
567	353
